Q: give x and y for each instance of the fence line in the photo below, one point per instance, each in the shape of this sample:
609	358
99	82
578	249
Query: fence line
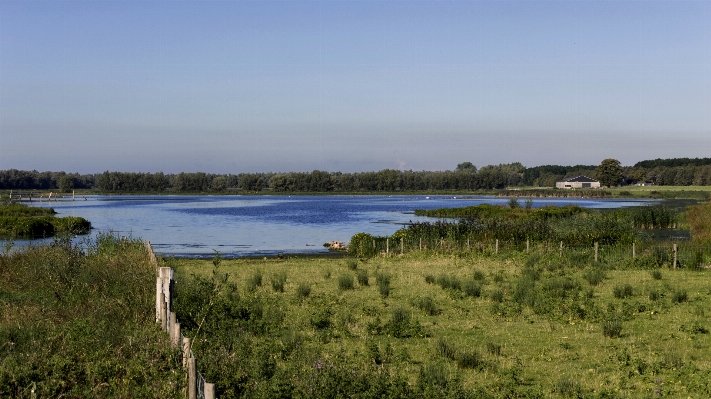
673	254
198	388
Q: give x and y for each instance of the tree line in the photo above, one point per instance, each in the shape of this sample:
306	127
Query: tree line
465	177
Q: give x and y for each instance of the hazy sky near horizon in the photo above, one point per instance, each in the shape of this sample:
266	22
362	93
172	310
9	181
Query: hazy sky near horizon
232	87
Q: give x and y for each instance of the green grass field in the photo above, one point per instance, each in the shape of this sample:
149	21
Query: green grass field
507	326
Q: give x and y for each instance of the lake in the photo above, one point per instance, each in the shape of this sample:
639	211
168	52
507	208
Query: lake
264	225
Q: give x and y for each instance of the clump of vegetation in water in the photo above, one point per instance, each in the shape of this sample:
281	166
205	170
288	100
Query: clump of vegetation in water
18	220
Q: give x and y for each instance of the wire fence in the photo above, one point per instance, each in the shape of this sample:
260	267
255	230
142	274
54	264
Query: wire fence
672	254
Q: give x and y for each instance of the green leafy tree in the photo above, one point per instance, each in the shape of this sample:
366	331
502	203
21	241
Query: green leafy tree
66	183
466	167
609	172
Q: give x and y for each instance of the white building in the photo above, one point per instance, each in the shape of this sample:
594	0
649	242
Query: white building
578	182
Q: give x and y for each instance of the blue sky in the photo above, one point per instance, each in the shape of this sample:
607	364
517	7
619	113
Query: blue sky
232	87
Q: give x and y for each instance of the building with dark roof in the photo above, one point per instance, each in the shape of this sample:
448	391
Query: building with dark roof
578	182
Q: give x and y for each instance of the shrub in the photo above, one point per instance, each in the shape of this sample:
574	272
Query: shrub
321	320
567	387
469	359
383	281
612	328
352	264
471	288
497	296
445	349
493	349
345	282
254	281
654	295
449	282
594	276
656	274
429	279
278	280
622	291
362	276
303	290
478	275
427	305
679	296
400	324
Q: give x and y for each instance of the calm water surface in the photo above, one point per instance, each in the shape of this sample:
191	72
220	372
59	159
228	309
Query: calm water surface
236	226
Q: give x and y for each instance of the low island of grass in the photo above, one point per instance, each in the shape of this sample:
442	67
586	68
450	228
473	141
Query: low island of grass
18	220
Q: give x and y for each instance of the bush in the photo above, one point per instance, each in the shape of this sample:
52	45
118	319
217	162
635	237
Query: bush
656	274
278	280
303	290
383	281
429	279
471	288
445	349
427	305
493	349
478	275
654	295
497	296
469	360
612	328
594	276
254	281
352	264
362	276
345	282
567	387
622	291
401	325
679	296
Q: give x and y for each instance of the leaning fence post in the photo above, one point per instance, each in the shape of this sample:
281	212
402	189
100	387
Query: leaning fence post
209	390
675	251
595	252
192	379
496	249
187	342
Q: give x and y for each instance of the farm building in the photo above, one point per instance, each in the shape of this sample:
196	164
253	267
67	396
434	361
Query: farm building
578	182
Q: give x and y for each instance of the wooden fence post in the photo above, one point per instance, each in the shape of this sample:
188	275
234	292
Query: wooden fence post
675	252
171	326
496	249
175	339
595	252
527	245
469	248
634	253
373	244
192	379
209	390
187	343
163	312
402	245
561	249
420	243
387	245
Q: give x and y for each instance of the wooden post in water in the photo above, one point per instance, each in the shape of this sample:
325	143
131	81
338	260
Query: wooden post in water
496	249
209	390
187	344
595	252
192	379
72	195
675	251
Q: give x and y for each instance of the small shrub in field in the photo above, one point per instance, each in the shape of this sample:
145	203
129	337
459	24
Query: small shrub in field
471	288
594	276
478	275
303	290
362	276
254	281
493	349
352	264
656	274
448	282
612	328
327	274
383	281
497	296
401	325
567	387
345	282
679	296
427	305
654	295
429	279
321	320
469	359
622	291
433	375
446	349
278	280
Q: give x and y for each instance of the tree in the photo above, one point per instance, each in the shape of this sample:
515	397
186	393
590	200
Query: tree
219	183
466	167
609	172
66	183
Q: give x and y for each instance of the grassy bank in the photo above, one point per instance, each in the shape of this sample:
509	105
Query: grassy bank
79	322
460	325
18	220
